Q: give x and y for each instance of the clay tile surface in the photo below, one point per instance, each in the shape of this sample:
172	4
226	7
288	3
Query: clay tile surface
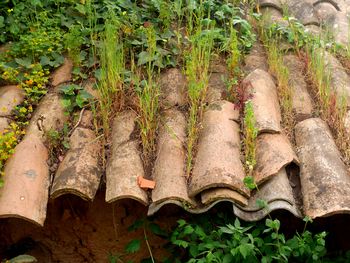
169	167
301	101
125	164
25	192
303	174
261	87
10	97
218	161
325	181
63	73
277	193
79	172
273	152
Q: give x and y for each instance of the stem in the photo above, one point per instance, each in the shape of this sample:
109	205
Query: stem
148	246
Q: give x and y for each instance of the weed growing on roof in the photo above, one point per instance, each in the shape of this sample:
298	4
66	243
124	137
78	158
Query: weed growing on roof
250	133
147	92
332	107
202	42
277	67
111	82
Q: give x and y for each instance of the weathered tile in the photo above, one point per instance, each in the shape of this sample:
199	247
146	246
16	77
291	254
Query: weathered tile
48	116
25	192
125	164
10	97
325	181
260	86
79	173
301	101
277	193
63	73
169	167
273	152
173	88
218	163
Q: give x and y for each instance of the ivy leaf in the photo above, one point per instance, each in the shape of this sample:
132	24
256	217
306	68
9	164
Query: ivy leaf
83	98
133	246
24	62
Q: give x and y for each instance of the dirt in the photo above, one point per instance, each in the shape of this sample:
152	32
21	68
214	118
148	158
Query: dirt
77	231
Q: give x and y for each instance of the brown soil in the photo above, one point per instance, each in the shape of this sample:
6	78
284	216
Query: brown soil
76	231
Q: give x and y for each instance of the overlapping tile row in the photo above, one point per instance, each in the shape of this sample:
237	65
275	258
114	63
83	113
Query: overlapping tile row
308	178
324	178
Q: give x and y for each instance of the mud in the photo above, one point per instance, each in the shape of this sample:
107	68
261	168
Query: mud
76	231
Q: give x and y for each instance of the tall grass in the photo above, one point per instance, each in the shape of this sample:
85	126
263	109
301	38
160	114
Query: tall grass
332	107
197	60
147	92
112	68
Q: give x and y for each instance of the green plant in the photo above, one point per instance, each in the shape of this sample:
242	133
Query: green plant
110	86
253	242
74	97
147	92
250	133
148	228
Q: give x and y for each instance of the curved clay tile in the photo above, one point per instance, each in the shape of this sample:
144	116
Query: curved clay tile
4	124
48	116
255	59
218	163
276	192
25	192
216	87
210	196
79	172
303	11
10	97
169	167
339	79
276	4
301	100
325	181
273	152
173	88
63	73
125	164
325	10
260	86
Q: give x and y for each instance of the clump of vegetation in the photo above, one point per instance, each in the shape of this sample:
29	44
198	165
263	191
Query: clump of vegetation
332	108
239	242
198	78
250	134
272	42
148	92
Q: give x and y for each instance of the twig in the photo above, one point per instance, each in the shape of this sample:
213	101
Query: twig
148	246
78	122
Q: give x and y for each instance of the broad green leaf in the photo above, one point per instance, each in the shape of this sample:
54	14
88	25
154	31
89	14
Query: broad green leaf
133	246
2	24
155	229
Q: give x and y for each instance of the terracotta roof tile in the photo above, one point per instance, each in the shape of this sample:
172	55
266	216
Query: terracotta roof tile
305	177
